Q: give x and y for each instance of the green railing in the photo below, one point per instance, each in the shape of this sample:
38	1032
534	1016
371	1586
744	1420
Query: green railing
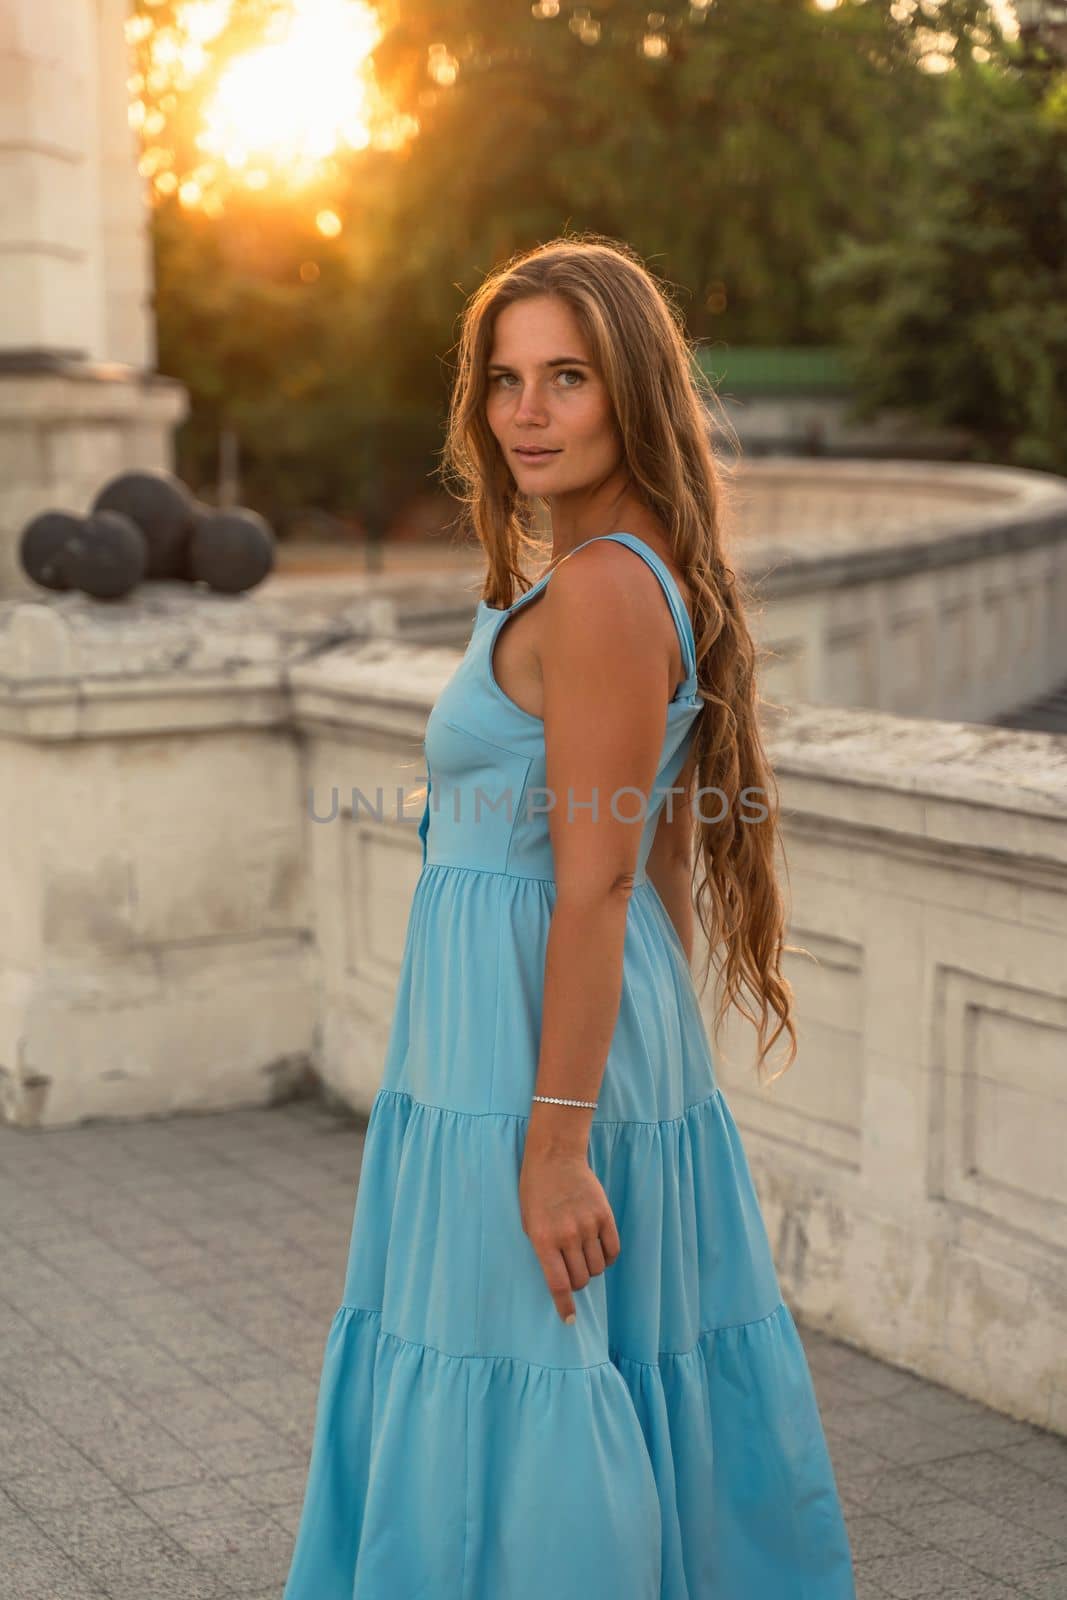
775	369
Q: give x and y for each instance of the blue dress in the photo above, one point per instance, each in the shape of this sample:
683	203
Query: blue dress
468	1444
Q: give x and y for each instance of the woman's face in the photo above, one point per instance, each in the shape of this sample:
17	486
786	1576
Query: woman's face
543	395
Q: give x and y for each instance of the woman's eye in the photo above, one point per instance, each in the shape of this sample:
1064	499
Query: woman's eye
503	378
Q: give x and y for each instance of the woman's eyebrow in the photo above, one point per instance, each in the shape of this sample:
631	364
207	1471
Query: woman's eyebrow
556	361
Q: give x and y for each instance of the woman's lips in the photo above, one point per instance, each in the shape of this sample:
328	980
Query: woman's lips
531	454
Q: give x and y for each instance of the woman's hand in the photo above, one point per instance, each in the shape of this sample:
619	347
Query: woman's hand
568	1220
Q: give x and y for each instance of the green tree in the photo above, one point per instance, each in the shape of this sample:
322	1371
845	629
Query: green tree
729	162
733	160
960	312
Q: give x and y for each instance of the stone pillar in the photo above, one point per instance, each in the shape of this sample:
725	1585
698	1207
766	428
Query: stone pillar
78	398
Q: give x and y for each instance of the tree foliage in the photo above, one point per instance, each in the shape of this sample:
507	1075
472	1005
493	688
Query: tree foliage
762	138
960	312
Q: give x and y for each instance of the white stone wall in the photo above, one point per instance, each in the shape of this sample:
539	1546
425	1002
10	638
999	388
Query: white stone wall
158	940
910	1163
181	933
905	586
74	272
78	400
129	327
965	640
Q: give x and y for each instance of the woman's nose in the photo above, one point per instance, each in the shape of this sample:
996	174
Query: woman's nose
529	405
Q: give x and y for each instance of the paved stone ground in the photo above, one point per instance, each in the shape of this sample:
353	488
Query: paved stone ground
165	1291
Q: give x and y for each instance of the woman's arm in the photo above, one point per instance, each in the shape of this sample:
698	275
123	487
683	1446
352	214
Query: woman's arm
606	660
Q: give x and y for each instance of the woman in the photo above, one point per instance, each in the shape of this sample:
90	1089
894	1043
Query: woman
562	1365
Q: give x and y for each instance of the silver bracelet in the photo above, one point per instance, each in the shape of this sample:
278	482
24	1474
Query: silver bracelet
555	1100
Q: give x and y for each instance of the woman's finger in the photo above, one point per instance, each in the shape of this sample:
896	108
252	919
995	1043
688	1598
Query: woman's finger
594	1255
574	1256
557	1277
609	1238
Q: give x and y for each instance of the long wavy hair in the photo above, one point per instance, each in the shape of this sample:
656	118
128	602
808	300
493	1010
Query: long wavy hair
661	400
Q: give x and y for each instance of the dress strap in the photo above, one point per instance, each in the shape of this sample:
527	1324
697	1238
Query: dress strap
667	584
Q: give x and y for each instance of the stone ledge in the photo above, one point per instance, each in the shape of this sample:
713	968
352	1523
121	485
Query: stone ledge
1004	769
800	524
54	395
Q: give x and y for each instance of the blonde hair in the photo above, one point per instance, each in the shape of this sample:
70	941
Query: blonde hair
661	400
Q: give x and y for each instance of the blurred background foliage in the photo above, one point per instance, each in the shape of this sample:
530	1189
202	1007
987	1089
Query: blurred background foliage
889	178
960	311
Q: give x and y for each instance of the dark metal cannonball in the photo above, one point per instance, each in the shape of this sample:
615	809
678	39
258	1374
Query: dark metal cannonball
44	539
162	507
108	558
231	549
201	509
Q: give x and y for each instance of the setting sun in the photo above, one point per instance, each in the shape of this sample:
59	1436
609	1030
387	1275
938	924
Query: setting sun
275	111
300	95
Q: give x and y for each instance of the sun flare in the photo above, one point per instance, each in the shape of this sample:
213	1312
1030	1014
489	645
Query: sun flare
299	96
275	110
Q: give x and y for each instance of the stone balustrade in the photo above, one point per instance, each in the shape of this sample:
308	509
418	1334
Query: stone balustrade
190	927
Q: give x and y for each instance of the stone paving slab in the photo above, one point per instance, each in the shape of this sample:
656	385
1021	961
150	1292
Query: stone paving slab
166	1288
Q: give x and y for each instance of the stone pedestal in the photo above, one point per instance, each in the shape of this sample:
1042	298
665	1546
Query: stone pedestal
64	429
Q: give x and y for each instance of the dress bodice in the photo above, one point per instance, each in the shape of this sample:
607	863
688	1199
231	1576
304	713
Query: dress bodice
487	804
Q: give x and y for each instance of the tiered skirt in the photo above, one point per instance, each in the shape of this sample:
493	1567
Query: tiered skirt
469	1445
